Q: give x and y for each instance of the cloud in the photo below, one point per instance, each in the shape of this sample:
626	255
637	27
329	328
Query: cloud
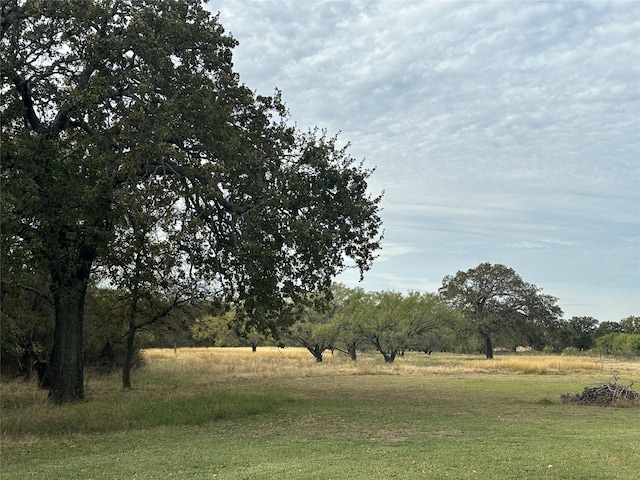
390	251
523	245
555	241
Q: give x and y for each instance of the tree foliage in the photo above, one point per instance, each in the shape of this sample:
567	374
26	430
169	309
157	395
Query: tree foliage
630	324
350	319
626	344
123	121
607	327
315	327
395	321
493	297
213	329
26	323
580	332
616	338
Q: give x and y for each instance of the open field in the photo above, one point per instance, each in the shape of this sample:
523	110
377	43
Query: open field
231	414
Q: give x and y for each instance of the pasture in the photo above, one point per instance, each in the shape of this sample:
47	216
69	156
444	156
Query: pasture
277	414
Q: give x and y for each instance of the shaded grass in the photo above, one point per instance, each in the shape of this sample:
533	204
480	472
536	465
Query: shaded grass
233	415
26	414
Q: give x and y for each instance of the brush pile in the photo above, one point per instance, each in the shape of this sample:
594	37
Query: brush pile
609	394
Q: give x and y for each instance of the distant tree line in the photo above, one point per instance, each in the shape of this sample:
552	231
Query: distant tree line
480	310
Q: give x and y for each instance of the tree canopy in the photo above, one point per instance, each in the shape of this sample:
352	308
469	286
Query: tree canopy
494	297
124	122
395	322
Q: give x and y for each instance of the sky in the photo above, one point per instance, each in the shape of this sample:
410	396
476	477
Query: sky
501	132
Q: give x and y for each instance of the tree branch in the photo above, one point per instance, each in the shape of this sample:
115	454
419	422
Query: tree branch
10	15
31	118
160	315
35	291
168	167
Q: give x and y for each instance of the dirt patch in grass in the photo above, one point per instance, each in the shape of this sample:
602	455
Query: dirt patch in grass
394	435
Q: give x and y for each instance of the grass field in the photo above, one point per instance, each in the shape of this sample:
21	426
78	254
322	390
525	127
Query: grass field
277	414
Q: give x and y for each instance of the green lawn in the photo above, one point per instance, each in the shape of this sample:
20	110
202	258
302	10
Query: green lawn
323	421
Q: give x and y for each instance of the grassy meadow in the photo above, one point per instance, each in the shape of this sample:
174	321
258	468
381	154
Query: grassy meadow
277	414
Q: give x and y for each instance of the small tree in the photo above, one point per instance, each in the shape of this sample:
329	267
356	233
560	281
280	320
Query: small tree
225	329
628	343
348	319
253	338
150	263
313	328
441	333
385	328
213	329
395	321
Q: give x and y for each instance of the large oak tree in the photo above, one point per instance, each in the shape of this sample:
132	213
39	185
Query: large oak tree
494	298
114	108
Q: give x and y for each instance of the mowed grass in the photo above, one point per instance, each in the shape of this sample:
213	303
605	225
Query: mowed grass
276	413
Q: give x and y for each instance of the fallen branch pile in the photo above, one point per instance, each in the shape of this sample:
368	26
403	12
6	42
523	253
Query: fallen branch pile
609	394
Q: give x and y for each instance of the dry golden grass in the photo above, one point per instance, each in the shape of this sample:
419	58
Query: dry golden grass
535	364
230	363
235	364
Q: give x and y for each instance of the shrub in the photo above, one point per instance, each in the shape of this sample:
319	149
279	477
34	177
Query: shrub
619	344
571	351
627	344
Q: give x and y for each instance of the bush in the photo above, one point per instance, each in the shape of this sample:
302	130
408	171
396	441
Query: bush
571	351
604	344
625	344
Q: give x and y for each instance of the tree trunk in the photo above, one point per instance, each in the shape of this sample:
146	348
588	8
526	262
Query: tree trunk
128	357
131	337
351	350
318	354
28	359
65	376
316	350
488	346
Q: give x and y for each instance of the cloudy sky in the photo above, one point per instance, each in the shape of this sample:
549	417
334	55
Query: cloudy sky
506	132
